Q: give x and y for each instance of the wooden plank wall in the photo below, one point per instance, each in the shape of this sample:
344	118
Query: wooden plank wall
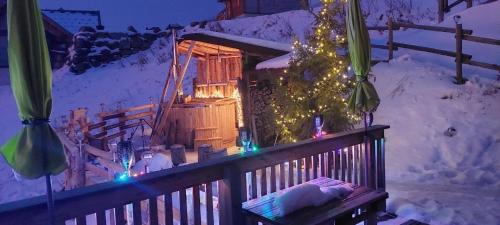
220	115
218	76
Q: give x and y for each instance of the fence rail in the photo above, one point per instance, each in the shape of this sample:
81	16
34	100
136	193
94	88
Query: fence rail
164	196
118	122
460	35
444	7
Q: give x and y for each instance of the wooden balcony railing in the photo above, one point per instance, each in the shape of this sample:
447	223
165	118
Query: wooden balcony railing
212	192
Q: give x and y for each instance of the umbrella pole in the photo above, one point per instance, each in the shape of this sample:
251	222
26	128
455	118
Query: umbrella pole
366	123
365	140
50	200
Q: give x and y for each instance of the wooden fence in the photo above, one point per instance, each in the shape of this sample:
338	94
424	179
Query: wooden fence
460	36
445	7
112	125
216	188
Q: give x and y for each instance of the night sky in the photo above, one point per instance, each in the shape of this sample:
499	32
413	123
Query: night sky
118	14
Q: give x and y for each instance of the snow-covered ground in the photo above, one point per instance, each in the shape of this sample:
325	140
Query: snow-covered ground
431	177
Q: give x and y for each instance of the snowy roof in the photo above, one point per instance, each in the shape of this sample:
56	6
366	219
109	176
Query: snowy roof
72	20
250	45
274	63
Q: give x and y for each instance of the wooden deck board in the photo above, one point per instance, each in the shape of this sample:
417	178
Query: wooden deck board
263	209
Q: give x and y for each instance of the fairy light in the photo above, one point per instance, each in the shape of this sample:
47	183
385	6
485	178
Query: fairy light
334	83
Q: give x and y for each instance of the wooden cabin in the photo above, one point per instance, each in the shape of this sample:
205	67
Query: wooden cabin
237	8
60	25
220	104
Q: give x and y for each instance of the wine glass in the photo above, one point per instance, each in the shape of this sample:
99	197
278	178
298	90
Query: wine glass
246	139
79	137
126	155
113	146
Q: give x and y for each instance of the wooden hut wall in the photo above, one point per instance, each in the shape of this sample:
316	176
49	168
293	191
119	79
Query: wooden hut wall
189	117
218	78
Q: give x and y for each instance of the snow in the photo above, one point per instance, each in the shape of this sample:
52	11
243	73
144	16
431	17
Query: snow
431	177
281	27
482	19
246	40
275	63
420	155
72	21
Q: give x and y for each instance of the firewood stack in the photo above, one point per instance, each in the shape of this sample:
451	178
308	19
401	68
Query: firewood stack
264	120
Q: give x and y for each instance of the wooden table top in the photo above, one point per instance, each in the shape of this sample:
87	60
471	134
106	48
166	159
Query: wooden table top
263	209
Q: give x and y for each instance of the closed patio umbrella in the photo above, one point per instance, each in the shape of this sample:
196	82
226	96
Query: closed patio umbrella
364	98
36	150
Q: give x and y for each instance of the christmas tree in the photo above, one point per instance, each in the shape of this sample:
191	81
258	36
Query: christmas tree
316	81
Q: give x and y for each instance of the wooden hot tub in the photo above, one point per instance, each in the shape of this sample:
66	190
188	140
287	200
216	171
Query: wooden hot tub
204	121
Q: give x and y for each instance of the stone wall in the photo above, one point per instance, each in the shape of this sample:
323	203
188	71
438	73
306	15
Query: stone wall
93	48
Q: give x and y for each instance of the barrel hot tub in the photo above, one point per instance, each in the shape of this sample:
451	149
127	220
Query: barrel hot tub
203	121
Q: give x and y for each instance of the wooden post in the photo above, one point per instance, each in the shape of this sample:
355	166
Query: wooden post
245	101
440	10
458	58
203	150
178	154
380	164
74	176
370	163
162	120
230	196
469	3
390	39
121	120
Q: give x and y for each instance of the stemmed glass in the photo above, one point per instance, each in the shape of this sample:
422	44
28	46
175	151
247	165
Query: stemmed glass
246	139
147	156
318	125
126	155
79	137
113	146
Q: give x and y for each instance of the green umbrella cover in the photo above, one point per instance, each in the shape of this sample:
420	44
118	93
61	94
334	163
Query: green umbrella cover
36	150
364	97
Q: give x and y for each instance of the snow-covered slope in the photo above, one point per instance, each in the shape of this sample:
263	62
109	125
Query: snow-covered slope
420	103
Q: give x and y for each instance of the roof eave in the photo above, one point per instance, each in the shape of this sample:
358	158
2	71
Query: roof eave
248	48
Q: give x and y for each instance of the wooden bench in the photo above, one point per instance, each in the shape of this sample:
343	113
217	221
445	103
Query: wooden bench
361	205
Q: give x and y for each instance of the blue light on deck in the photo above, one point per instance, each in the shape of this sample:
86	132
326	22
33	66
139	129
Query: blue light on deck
122	177
255	148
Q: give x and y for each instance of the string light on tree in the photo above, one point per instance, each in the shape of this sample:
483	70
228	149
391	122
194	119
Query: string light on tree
315	81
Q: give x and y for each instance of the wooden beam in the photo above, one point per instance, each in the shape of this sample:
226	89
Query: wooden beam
96	170
121	111
165	111
241	45
204	46
121	133
430	28
450	6
490	66
110	165
97	152
483	40
465	57
96	125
